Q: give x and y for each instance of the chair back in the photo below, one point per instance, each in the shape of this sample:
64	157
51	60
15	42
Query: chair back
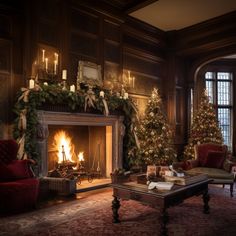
8	151
202	150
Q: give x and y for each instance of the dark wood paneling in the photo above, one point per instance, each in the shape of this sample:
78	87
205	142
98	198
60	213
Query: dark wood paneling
137	63
112	51
206	37
112	31
5	56
5	26
84	45
47	34
85	22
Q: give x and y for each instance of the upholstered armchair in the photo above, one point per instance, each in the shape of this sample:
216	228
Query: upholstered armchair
213	160
18	186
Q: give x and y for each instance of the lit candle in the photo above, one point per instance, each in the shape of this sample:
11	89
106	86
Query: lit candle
43	56
56	56
55	67
126	95
102	94
133	81
46	64
31	83
72	88
64	72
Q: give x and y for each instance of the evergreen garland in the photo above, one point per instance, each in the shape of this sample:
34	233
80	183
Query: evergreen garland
75	102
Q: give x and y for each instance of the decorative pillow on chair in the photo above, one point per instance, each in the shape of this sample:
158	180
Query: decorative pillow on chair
215	159
17	169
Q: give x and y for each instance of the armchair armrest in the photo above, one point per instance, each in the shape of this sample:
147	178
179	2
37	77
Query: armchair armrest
229	165
193	163
182	165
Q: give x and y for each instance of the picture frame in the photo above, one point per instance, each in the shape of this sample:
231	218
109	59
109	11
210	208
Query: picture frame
89	73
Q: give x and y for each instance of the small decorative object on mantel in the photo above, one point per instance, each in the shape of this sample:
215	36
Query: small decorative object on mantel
64	77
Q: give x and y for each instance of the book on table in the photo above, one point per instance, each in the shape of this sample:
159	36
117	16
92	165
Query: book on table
187	179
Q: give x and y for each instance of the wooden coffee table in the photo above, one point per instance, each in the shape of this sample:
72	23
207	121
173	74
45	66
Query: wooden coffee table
159	199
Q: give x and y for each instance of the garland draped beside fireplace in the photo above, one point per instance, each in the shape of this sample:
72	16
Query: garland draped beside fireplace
84	100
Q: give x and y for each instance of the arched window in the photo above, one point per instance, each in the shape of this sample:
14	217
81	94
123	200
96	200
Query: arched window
219	86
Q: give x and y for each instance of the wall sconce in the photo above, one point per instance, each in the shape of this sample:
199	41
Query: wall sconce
127	79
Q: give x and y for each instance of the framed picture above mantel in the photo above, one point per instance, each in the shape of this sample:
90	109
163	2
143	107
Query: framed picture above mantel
89	73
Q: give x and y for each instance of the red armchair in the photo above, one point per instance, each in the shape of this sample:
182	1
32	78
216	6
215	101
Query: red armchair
18	186
212	160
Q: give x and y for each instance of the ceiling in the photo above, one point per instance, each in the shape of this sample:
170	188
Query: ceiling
178	14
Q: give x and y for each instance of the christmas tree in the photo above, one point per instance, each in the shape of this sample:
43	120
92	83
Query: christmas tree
155	135
205	127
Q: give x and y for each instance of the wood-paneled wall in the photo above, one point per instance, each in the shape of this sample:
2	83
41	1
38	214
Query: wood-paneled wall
97	32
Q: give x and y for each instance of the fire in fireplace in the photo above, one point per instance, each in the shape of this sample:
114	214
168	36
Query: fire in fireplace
83	146
77	152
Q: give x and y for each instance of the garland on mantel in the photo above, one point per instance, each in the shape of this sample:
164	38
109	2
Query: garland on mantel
89	99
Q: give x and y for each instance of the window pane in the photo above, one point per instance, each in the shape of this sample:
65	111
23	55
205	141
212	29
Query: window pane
223	92
209	75
209	90
224	116
224	76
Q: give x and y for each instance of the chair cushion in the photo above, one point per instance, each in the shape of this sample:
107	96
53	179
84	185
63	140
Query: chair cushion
17	169
214	159
213	173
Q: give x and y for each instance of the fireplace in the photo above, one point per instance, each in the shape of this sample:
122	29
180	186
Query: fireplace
88	145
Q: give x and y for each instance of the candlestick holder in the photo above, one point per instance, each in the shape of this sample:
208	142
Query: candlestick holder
64	87
46	65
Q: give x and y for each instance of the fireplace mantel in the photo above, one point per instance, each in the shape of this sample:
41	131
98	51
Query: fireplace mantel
46	118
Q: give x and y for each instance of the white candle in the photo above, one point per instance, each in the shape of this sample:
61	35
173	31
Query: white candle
133	81
56	56
31	84
46	64
64	73
43	56
126	95
55	67
102	94
72	88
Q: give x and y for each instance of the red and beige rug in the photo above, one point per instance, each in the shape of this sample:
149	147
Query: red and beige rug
91	215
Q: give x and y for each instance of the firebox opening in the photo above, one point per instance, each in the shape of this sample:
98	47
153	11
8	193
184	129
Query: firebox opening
80	152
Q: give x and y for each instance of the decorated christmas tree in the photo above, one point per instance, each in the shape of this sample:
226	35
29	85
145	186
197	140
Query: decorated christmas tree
155	135
205	127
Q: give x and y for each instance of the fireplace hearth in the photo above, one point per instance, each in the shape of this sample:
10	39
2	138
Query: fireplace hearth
81	146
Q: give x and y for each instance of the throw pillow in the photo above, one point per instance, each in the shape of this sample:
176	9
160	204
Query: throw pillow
17	169
214	159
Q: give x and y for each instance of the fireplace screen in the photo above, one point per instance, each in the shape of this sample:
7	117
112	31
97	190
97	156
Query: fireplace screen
79	151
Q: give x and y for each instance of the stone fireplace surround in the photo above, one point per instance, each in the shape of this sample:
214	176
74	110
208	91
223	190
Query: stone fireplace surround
47	118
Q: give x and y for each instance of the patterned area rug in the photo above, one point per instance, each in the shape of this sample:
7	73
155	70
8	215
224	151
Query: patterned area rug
91	215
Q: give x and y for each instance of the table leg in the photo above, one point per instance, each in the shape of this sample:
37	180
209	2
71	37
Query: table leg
115	208
206	199
164	221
